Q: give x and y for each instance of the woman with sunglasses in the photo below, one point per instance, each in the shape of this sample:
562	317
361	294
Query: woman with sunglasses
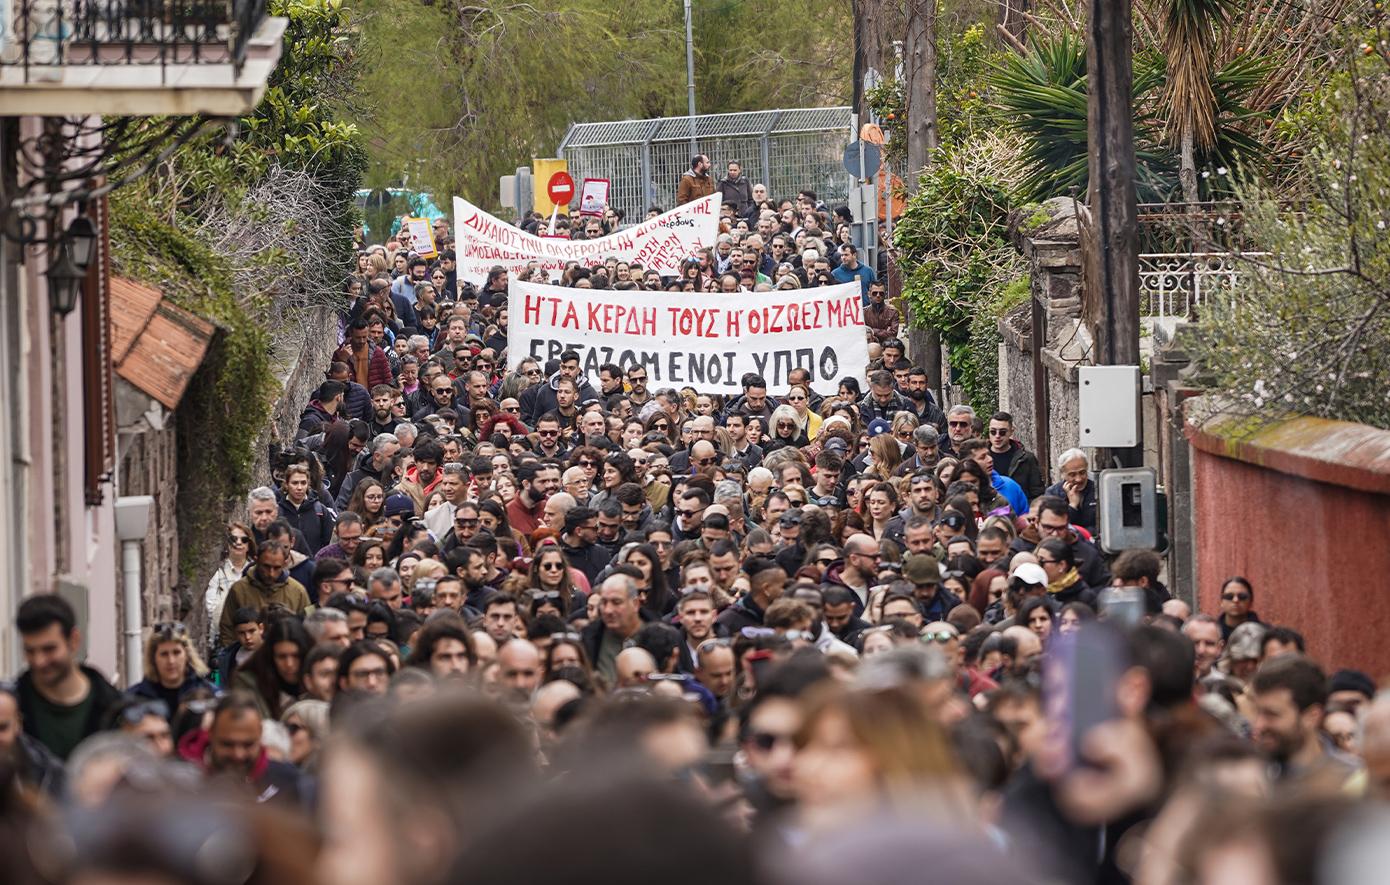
799	398
660	422
550	571
239	552
172	667
786	431
479	415
548	602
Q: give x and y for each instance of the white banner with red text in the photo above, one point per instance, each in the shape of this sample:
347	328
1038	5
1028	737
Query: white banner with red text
707	342
483	242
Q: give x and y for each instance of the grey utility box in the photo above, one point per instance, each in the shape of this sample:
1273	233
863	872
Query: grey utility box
1127	512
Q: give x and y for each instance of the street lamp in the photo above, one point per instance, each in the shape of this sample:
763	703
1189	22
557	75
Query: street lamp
65	281
82	240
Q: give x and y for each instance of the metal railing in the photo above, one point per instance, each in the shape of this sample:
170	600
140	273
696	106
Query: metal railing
44	36
786	150
1172	283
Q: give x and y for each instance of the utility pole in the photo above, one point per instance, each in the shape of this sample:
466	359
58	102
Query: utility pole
690	74
1110	253
869	25
919	92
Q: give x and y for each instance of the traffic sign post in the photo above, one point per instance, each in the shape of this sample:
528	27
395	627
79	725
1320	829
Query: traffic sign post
862	162
560	189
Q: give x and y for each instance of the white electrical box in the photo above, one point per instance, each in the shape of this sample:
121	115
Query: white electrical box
506	191
1109	406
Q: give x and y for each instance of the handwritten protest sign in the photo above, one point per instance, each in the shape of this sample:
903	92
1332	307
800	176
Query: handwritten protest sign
593	196
484	242
707	342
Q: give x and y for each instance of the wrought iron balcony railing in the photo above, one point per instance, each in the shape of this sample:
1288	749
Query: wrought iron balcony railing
45	36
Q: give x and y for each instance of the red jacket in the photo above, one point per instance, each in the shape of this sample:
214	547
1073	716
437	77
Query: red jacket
378	366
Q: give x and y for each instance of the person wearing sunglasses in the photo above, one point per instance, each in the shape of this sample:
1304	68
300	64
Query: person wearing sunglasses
146	720
1053	521
1237	601
240	551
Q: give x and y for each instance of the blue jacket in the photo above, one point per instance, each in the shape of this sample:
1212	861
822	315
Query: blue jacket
1011	491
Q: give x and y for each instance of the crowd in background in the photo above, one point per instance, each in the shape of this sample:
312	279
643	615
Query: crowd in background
503	620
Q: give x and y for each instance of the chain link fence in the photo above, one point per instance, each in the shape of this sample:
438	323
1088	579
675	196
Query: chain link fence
786	150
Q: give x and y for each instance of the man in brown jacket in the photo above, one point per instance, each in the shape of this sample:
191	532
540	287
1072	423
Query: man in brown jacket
881	318
696	182
266	583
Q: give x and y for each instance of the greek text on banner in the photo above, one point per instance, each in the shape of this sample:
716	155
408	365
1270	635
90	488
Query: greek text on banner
707	343
483	242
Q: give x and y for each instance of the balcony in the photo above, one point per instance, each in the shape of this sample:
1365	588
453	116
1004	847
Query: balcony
136	57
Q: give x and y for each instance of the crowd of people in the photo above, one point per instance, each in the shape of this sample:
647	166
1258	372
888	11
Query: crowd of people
497	620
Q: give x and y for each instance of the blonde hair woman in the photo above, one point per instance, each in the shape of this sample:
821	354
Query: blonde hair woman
172	666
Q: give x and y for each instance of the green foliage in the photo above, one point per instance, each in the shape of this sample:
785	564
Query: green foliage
1042	98
963	90
1308	331
960	272
178	231
464	93
227	402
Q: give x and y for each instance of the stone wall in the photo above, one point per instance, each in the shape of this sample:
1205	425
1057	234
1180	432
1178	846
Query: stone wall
1048	237
303	347
303	350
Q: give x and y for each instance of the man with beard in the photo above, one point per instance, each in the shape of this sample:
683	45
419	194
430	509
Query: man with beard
919	399
881	318
444	648
538	482
470	565
231	748
744	452
610	526
1290	694
382	419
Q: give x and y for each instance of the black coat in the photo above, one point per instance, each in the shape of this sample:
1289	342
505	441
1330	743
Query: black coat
312	518
104	694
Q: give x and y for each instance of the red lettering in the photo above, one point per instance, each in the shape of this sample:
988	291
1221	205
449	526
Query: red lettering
649	321
634	327
531	312
554	310
616	320
675	312
687	321
731	325
594	322
571	316
776	325
756	321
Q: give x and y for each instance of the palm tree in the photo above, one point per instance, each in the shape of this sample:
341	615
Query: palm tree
1188	103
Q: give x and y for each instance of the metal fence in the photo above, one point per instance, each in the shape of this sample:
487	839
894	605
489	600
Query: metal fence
786	150
1171	284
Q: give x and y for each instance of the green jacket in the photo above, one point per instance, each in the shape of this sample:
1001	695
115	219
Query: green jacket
252	591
